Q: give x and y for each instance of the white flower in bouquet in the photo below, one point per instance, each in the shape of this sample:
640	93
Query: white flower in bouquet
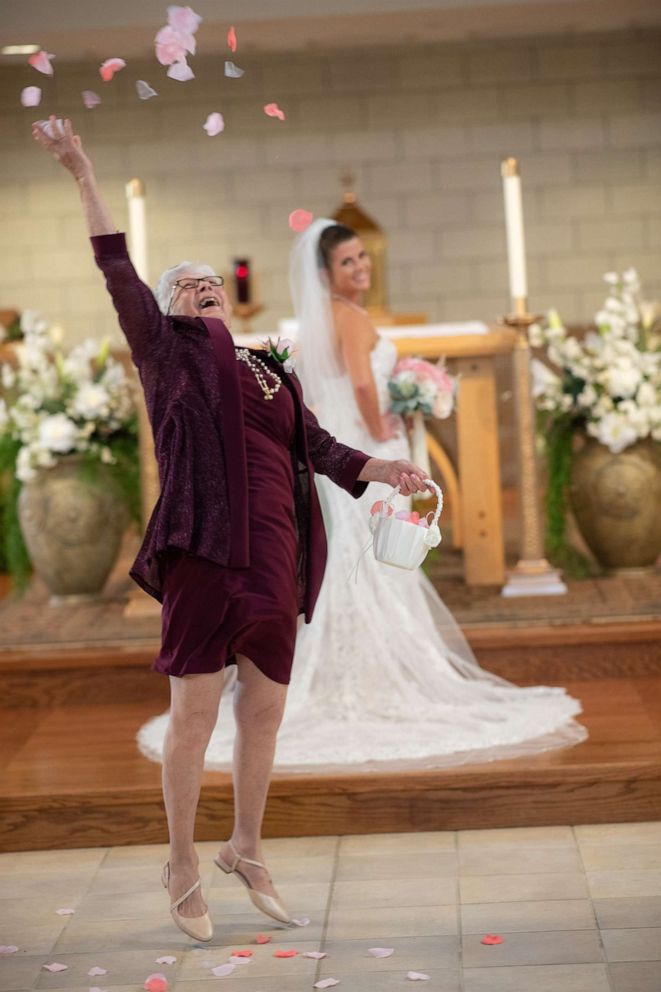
91	402
544	381
622	379
58	433
33	322
647	395
443	405
8	376
614	431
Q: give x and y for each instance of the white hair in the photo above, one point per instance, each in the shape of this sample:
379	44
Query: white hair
165	284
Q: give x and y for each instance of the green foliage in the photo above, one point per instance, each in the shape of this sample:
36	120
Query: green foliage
558	431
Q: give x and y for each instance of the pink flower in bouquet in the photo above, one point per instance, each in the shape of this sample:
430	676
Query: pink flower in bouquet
425	370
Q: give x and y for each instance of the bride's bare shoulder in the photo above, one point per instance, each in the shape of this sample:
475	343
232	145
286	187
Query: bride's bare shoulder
353	325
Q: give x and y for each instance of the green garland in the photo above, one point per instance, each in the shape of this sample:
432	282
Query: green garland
558	433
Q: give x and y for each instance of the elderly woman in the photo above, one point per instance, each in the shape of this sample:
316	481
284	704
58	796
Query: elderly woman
235	548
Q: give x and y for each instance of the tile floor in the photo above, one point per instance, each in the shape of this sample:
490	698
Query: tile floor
579	910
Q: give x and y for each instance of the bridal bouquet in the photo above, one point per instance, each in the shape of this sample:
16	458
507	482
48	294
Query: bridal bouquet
417	385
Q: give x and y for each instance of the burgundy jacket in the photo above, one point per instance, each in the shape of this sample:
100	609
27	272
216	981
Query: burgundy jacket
196	413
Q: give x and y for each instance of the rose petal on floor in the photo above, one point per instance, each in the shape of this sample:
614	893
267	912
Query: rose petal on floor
262	938
214	124
6	949
317	955
273	110
232	71
231	39
222	970
96	971
381	952
299	220
326	983
241	954
166	959
90	99
144	90
285	954
41	61
31	96
491	938
417	976
55	966
156	983
108	68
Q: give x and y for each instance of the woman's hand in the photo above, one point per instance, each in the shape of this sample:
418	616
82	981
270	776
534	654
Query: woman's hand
65	146
402	473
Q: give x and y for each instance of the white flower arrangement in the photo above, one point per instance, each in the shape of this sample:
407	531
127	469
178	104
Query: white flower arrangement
609	382
59	403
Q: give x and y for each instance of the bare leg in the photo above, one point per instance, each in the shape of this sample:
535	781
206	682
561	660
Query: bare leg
259	705
194	710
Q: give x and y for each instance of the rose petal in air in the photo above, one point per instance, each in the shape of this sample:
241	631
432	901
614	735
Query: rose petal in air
417	976
231	39
214	124
285	954
273	110
7	949
96	971
381	952
300	220
491	938
233	71
156	983
144	90
166	959
41	61
31	96
108	69
172	45
181	71
55	966
326	983
317	955
184	19
222	970
91	99
262	938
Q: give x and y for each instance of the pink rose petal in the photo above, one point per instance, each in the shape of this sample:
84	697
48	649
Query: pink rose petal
262	938
491	938
232	71
184	19
273	110
91	99
181	71
300	220
31	96
285	954
41	61
417	976
108	69
96	971
172	45
7	949
231	39
222	970
55	966
144	90
214	124
317	955
241	954
166	959
381	952
326	983
156	983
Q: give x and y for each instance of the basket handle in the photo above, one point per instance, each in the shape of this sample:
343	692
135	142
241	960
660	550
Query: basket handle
429	482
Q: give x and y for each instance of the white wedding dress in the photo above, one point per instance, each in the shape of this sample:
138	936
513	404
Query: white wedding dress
382	674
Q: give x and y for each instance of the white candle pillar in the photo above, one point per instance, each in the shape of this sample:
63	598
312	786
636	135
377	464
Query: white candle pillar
516	245
135	195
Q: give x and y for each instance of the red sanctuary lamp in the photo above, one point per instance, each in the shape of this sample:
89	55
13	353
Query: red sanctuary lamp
244	306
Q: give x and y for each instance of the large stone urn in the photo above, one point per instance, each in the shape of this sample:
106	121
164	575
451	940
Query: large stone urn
73	518
616	501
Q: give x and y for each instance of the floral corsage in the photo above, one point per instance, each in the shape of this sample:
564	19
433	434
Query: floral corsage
281	350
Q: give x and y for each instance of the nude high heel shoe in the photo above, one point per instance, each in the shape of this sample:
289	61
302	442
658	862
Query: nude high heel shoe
266	904
197	927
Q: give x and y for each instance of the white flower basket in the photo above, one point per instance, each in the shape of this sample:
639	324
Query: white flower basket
401	543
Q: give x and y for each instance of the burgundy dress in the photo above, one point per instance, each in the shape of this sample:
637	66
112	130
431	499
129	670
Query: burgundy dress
210	612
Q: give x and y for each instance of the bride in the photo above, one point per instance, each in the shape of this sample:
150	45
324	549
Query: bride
383	673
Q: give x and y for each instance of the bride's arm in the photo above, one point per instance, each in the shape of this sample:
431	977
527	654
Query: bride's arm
356	339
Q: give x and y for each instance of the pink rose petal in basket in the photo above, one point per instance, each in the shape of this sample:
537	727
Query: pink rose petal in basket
108	69
31	96
41	61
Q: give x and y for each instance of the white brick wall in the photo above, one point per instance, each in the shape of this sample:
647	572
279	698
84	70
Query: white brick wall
422	128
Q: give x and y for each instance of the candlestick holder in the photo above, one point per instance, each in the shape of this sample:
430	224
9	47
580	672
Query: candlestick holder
245	312
532	575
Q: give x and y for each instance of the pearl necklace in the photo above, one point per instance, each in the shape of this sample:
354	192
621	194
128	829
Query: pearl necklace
260	370
349	303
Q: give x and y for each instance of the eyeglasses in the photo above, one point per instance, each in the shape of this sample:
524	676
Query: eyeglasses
194	281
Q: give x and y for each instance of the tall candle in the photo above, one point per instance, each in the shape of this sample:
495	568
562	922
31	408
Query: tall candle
135	194
516	244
